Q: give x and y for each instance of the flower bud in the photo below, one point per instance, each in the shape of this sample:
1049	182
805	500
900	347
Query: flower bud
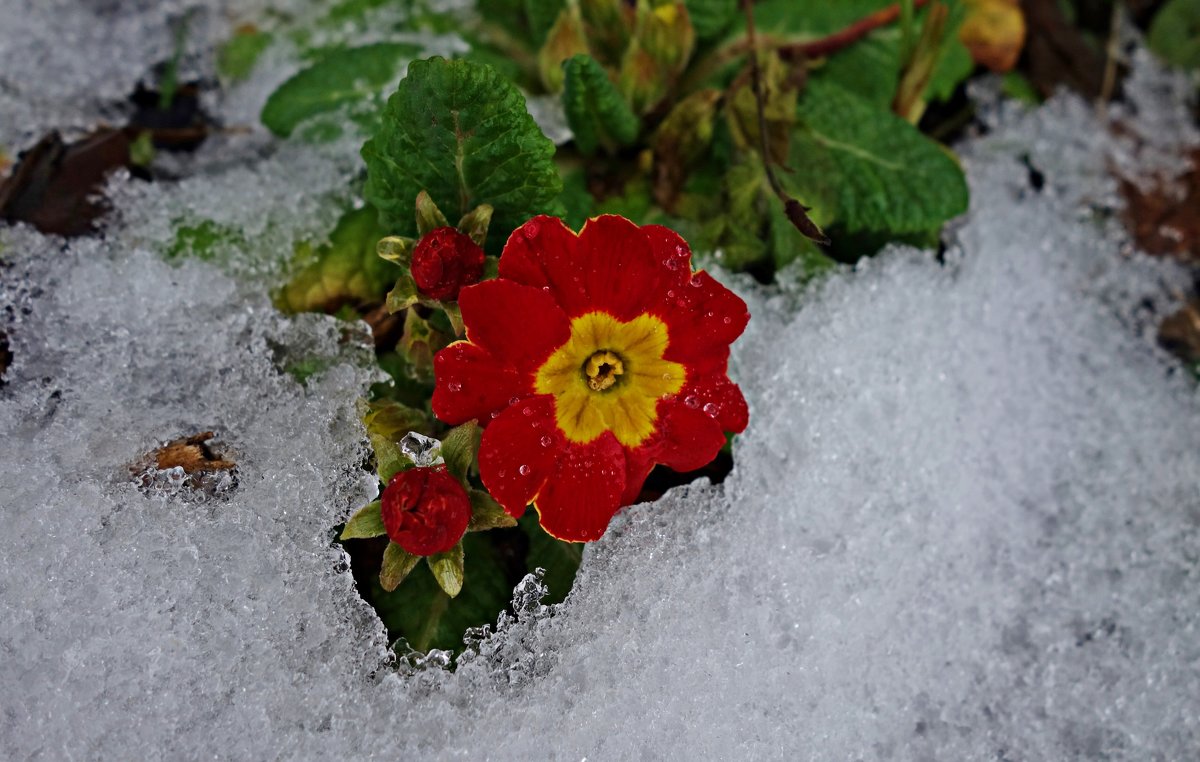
425	510
444	261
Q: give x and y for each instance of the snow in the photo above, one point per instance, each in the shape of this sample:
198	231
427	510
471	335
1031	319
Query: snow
964	522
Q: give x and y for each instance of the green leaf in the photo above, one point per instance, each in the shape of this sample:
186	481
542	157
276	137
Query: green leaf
403	295
486	513
459	448
343	78
420	612
869	68
237	57
391	419
367	522
597	113
1175	33
429	217
559	559
541	15
347	270
475	223
461	132
711	17
396	249
206	240
867	169
397	564
448	570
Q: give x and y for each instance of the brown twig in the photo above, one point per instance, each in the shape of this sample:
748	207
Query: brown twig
796	212
846	37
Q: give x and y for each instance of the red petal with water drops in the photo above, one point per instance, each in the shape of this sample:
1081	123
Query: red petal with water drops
584	492
471	383
518	452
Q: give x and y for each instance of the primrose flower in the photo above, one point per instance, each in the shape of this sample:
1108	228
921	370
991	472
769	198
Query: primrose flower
444	261
425	510
593	357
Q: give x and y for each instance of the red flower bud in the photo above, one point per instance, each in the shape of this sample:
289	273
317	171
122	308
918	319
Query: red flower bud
444	261
425	510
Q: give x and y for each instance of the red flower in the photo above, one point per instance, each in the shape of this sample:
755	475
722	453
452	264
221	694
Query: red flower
425	510
444	261
590	359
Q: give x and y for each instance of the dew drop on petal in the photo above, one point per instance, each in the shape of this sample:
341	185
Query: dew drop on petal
454	386
727	320
692	401
711	409
527	411
547	441
524	469
532	228
513	400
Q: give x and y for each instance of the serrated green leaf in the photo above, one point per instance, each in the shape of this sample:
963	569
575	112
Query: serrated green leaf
559	559
366	522
460	446
461	132
486	513
397	564
347	270
711	17
342	78
1175	33
448	570
598	114
420	612
867	169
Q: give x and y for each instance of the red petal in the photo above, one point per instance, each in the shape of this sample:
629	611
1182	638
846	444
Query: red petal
518	452
584	493
541	253
720	399
471	383
687	438
703	319
519	325
625	275
613	265
638	465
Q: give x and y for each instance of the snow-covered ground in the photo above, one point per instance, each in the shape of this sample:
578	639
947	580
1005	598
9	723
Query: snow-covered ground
964	522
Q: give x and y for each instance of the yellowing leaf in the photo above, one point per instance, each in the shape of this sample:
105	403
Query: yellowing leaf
994	32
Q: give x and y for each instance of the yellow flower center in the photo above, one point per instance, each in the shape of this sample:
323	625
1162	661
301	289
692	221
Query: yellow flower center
602	370
609	376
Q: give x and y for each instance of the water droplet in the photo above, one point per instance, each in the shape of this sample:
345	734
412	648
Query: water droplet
454	386
532	228
727	320
547	441
711	410
671	263
695	283
671	294
691	401
527	410
502	473
667	377
524	469
513	400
